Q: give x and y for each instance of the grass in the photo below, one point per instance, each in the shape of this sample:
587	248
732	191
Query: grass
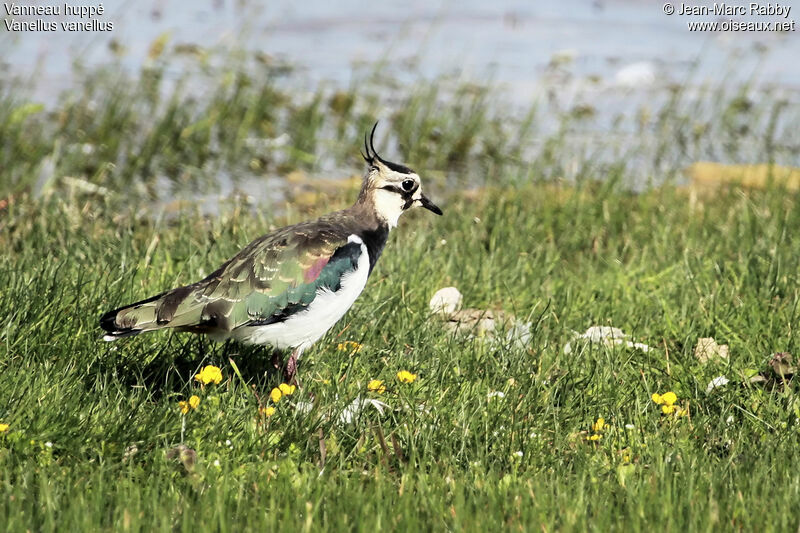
96	439
444	455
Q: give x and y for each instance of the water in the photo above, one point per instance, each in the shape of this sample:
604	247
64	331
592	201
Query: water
623	44
617	56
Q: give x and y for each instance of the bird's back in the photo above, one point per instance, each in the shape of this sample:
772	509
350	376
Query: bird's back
274	278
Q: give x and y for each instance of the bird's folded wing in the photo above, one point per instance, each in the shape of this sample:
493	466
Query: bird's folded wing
268	281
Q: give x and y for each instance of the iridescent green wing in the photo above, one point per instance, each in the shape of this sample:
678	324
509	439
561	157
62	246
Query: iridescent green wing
278	277
272	278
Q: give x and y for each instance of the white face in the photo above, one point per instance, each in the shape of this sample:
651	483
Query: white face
391	195
396	191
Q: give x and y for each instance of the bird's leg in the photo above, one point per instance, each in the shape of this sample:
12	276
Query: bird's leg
291	367
277	360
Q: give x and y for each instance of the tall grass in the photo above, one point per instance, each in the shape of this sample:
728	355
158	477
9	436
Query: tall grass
156	136
91	424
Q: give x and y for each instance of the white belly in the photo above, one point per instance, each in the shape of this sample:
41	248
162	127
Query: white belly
306	327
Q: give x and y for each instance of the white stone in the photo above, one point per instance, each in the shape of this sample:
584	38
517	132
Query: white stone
607	335
350	412
303	407
719	381
446	301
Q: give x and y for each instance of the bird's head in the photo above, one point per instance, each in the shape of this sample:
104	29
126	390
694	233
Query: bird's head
391	188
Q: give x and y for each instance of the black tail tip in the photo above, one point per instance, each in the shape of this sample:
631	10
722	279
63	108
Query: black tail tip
108	322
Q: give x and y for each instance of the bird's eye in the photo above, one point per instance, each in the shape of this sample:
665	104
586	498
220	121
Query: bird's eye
408	185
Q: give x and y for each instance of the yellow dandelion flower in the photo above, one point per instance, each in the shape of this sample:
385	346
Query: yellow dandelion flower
668	409
349	346
598	426
406	377
4	428
595	437
187	406
209	374
275	395
286	389
656	397
267	411
670	398
376	385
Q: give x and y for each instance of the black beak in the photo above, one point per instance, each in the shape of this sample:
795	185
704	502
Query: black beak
430	206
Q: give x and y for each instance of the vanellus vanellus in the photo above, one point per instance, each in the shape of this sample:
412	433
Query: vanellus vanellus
287	288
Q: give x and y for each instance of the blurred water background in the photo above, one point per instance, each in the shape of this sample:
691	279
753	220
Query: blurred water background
614	80
621	43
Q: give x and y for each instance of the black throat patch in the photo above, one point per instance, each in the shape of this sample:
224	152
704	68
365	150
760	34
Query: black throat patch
375	240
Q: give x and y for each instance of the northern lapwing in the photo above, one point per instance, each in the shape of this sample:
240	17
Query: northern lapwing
286	289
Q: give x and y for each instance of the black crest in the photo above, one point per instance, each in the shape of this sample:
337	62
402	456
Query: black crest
372	155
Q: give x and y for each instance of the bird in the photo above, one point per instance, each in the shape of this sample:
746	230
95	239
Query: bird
287	288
